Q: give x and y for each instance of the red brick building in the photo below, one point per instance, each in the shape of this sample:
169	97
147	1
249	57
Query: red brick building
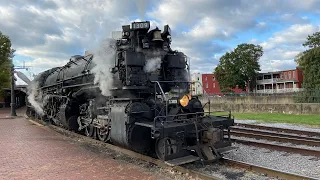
211	85
271	82
280	81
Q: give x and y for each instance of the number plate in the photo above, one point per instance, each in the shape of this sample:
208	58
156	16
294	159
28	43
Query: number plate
141	25
173	101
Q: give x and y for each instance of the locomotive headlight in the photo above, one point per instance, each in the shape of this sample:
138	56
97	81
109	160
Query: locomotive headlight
184	101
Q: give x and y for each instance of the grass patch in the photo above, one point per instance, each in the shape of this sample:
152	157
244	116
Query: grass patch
311	119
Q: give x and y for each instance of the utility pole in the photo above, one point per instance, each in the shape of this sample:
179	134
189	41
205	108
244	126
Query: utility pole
13	94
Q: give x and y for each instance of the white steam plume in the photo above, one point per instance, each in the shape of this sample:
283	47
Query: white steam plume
153	60
33	95
152	64
141	4
104	58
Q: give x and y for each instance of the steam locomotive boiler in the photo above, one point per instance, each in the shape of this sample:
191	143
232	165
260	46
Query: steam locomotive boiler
142	102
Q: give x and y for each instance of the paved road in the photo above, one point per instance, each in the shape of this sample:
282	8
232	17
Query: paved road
28	151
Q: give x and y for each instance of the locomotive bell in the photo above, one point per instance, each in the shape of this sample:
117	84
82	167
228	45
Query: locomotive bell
157	35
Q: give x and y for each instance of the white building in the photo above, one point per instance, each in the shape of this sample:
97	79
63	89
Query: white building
196	87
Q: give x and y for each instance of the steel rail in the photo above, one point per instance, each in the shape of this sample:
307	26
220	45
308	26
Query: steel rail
276	138
268	171
265	132
303	151
293	131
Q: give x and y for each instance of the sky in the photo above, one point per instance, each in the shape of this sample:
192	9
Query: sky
45	33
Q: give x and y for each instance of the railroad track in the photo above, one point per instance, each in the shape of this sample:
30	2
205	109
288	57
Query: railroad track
193	173
276	134
267	171
292	131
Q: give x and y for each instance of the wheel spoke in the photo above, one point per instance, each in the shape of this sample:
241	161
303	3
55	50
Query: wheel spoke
89	131
103	135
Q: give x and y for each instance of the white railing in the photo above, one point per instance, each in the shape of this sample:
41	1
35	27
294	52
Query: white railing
268	81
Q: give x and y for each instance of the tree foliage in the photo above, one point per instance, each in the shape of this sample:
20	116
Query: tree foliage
6	55
309	62
239	67
313	40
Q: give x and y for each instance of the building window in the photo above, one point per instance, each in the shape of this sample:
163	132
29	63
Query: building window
206	78
214	85
213	77
289	74
268	76
293	74
285	75
207	85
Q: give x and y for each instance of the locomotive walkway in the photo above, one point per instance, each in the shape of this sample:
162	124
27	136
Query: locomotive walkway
28	151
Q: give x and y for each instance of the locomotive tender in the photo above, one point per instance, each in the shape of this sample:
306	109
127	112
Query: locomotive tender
150	110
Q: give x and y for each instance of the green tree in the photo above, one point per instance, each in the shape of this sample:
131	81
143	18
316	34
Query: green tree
239	67
313	40
6	55
309	62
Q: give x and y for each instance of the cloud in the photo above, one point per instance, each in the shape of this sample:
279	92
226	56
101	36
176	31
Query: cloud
292	18
282	47
54	30
45	62
277	65
208	20
295	35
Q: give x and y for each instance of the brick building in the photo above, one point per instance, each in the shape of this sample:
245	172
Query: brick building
280	81
271	82
207	83
211	85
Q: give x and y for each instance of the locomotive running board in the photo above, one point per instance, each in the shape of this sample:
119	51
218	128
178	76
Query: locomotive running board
182	160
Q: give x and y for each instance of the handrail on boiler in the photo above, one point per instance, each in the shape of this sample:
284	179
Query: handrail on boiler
163	94
204	92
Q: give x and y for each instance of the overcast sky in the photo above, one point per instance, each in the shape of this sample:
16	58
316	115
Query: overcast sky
46	33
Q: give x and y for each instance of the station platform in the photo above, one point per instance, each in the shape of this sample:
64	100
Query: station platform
29	151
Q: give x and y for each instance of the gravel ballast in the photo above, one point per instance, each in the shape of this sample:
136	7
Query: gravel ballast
293	163
283	161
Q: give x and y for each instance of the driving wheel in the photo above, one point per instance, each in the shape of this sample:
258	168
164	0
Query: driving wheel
165	144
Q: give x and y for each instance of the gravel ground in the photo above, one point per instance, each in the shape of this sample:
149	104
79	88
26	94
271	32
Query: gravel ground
221	171
280	125
294	163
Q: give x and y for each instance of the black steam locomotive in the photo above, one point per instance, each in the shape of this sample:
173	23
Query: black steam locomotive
147	107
